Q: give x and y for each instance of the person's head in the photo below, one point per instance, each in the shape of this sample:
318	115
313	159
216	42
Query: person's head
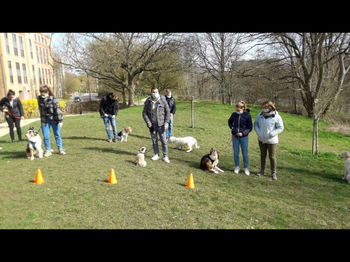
113	96
11	94
154	93
241	107
268	106
168	93
45	91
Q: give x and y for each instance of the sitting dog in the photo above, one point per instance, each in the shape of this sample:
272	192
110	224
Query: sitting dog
124	134
184	142
34	144
210	162
140	157
346	156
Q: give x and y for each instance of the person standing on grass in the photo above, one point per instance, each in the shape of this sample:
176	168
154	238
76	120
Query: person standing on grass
268	125
109	107
172	106
156	114
13	109
51	116
241	125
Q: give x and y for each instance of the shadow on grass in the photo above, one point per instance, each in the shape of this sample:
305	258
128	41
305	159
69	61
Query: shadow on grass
138	136
189	162
320	174
110	150
11	155
84	138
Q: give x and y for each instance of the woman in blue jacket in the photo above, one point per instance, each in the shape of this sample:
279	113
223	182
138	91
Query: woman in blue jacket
241	125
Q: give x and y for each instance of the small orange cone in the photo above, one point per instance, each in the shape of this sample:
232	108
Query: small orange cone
111	178
190	183
39	178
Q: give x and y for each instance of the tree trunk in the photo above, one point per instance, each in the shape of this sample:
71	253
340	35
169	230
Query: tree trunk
315	150
124	96
131	93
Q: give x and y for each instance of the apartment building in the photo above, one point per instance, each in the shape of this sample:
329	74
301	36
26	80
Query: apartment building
25	63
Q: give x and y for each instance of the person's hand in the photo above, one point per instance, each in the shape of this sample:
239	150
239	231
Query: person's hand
166	126
5	110
105	115
149	125
22	117
60	124
113	116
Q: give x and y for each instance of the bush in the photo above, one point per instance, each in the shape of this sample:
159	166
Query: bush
31	109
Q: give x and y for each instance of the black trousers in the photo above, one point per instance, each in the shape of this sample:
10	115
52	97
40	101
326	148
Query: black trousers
12	122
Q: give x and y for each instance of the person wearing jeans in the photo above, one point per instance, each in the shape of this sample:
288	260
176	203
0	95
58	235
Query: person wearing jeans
172	106
268	125
241	125
109	107
156	114
51	116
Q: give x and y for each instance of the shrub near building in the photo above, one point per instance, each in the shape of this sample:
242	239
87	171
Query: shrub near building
30	107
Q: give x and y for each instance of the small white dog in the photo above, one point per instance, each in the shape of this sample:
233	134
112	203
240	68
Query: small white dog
187	142
140	157
346	156
124	134
34	144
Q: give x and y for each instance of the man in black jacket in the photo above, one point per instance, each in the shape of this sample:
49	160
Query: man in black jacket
109	107
172	106
13	113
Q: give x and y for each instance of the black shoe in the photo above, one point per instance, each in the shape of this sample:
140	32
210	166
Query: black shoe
115	140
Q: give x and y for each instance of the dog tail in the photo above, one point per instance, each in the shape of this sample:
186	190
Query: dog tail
196	145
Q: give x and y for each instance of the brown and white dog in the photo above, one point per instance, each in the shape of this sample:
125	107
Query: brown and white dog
124	134
210	162
34	144
346	157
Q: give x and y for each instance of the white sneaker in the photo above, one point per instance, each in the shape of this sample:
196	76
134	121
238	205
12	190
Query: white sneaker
61	152
166	159
246	171
48	153
155	157
236	170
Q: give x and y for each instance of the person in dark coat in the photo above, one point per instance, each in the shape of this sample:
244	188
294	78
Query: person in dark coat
109	107
172	106
13	109
241	125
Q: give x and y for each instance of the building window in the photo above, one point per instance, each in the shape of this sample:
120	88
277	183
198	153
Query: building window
10	71
25	77
35	37
40	79
21	45
37	53
49	73
7	43
31	49
19	77
34	78
15	49
40	55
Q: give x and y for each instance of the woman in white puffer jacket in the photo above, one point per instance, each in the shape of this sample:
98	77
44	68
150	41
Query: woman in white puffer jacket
268	125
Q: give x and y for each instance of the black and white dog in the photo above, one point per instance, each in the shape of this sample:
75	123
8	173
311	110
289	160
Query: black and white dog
140	157
34	144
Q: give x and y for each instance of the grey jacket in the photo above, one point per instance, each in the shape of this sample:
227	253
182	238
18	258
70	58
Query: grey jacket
163	111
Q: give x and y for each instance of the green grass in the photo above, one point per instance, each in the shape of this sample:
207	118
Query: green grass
309	192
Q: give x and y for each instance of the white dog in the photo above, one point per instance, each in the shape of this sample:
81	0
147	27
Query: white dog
140	157
346	156
34	144
187	142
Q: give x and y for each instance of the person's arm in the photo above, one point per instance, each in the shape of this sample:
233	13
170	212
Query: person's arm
256	126
167	113
173	110
279	127
102	112
58	112
144	114
247	130
2	102
20	107
230	122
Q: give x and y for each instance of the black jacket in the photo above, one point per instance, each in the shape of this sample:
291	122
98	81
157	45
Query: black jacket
16	110
172	104
49	109
240	123
109	106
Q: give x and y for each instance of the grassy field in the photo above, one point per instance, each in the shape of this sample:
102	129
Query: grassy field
309	192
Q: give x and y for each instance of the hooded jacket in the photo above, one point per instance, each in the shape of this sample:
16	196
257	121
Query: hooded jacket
240	123
16	109
109	106
268	128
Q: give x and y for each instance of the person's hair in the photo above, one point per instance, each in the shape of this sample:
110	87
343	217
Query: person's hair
11	92
242	104
46	89
153	88
167	91
270	104
113	96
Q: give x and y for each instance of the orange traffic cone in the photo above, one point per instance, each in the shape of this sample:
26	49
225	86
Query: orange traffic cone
39	178
190	183
111	178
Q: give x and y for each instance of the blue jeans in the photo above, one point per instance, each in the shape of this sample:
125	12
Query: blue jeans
240	142
109	121
45	127
169	131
